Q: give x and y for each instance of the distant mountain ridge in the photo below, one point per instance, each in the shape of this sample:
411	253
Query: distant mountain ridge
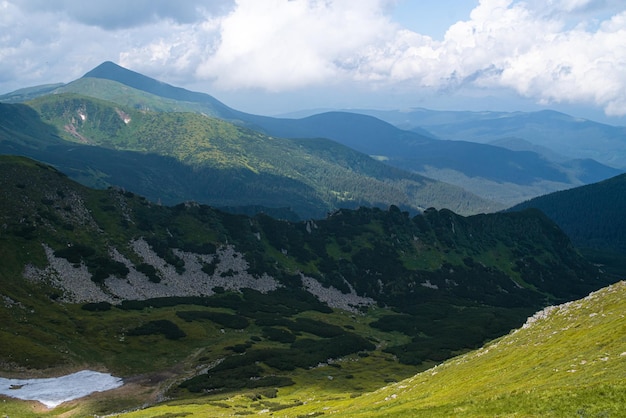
468	165
573	137
174	157
28	93
505	176
492	172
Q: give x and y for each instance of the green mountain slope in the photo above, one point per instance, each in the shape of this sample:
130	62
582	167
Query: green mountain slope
491	172
107	279
28	93
175	157
592	215
567	361
122	94
113	72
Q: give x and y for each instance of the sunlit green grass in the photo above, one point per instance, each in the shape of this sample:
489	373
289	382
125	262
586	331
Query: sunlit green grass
571	364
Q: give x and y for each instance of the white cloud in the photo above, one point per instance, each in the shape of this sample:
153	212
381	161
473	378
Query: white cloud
59	41
173	53
121	14
278	44
508	44
575	66
555	51
27	43
552	64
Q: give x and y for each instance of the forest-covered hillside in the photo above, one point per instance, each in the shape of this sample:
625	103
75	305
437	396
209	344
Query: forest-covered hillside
175	157
592	215
490	262
506	176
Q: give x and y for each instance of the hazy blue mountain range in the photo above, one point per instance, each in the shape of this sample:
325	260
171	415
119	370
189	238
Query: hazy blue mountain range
505	176
493	172
574	138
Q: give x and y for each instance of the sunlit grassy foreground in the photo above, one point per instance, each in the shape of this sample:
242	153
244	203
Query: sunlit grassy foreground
567	361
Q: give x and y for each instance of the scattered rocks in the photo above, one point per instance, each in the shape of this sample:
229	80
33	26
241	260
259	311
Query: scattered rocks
230	273
75	281
77	286
335	298
538	316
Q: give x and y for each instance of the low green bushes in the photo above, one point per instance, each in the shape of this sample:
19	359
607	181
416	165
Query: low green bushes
99	266
96	306
149	271
234	375
223	319
168	329
278	334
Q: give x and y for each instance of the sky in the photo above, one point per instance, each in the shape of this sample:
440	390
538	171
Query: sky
278	56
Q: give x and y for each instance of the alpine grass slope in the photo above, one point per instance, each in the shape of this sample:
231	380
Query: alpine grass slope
565	361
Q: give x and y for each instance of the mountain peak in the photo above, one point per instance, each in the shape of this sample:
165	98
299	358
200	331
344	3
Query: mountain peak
106	68
110	71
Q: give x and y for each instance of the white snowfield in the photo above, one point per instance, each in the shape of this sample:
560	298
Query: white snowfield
55	390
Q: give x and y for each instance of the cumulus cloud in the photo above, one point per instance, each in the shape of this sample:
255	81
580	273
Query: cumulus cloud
574	66
43	41
29	45
535	53
556	51
117	14
513	45
278	44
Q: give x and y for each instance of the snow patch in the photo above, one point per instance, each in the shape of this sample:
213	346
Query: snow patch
55	390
